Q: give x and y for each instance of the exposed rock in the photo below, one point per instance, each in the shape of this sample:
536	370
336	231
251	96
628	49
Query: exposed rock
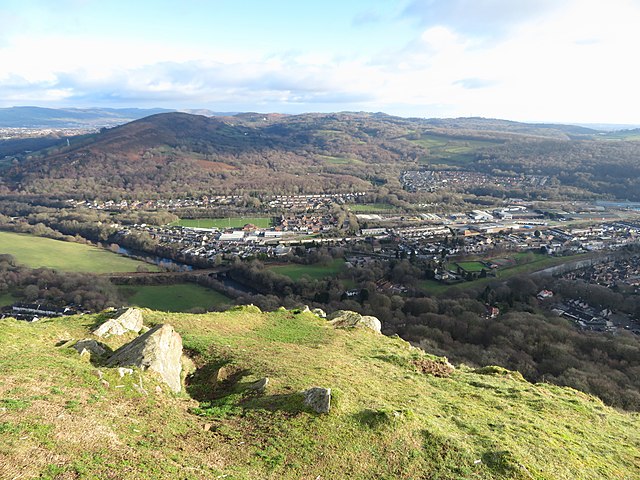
90	347
349	319
306	309
259	386
158	350
129	321
122	371
318	398
319	312
371	322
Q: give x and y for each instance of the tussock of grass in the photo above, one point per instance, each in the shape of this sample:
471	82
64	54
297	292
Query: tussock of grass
389	419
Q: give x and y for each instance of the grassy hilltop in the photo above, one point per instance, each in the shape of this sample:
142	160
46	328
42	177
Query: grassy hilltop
397	412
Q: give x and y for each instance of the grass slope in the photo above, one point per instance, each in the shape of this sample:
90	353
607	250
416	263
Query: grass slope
180	297
388	421
314	272
38	252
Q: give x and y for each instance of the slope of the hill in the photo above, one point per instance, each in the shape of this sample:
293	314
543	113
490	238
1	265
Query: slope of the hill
182	154
391	418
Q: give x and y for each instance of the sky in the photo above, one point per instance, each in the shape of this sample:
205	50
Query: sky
572	61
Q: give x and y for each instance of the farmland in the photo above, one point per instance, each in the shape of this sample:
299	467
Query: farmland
451	149
314	272
36	252
181	297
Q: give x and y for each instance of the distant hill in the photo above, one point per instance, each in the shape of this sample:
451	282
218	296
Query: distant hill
172	153
38	117
396	411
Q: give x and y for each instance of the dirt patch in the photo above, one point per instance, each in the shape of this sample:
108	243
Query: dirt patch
431	367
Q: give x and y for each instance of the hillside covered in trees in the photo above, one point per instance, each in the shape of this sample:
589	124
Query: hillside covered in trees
178	154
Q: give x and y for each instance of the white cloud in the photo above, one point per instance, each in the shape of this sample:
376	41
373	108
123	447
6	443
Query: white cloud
568	63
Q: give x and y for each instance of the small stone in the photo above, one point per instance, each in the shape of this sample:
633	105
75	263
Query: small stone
318	399
91	347
259	386
104	383
98	373
124	371
207	426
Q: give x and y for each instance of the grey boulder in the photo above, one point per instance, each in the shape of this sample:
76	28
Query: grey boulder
349	319
159	350
318	399
128	321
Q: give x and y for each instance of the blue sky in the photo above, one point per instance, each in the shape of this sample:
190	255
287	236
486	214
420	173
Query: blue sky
531	60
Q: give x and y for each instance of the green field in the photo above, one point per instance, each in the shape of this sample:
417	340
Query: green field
38	252
7	299
180	297
540	262
314	272
230	222
454	150
371	207
471	266
340	160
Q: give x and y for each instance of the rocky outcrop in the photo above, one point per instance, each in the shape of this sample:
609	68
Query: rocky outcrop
159	350
129	321
318	399
349	319
319	312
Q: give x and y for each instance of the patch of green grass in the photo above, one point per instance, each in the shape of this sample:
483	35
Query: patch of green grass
180	297
230	222
38	252
288	327
7	299
471	266
14	404
314	272
451	150
340	160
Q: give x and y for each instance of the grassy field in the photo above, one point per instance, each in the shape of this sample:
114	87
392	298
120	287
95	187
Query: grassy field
180	297
7	299
340	160
390	417
453	150
471	266
371	207
231	222
38	252
540	262
314	272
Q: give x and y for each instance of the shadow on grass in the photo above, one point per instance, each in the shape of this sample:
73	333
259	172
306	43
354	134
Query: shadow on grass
224	388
